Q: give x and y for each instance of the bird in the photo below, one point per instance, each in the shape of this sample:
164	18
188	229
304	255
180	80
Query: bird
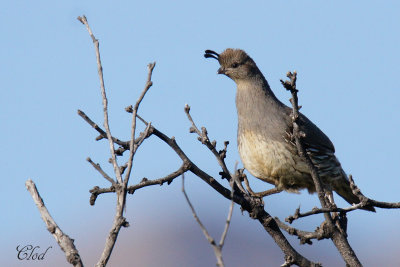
264	123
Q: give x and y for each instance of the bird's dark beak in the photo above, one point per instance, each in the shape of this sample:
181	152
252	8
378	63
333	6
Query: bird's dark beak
221	70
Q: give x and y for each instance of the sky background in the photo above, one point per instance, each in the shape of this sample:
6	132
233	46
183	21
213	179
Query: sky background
347	58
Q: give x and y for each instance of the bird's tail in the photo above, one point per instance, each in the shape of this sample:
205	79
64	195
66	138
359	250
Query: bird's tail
343	189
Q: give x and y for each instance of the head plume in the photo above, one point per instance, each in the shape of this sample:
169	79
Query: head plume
211	53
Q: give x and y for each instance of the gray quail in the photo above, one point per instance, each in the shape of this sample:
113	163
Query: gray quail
263	125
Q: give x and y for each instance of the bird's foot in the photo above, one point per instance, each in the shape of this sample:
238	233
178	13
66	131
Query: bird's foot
265	193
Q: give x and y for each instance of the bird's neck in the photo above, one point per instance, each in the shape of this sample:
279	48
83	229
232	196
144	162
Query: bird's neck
256	104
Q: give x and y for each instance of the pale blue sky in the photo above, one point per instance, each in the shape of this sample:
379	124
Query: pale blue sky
347	57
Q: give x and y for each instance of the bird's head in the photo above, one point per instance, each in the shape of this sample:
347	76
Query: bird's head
235	63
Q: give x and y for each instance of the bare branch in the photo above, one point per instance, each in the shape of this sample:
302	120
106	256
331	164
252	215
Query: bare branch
217	248
203	138
228	220
120	188
102	133
338	236
252	205
149	83
97	191
63	240
315	210
105	101
227	224
305	237
220	156
100	170
143	135
167	179
365	201
119	221
124	145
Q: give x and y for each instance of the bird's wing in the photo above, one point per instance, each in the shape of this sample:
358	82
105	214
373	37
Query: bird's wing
318	146
315	138
320	149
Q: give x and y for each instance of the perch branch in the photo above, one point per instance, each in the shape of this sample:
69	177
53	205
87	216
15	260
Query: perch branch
338	235
252	205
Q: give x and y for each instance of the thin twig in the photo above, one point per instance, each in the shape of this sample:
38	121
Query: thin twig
124	145
219	155
365	201
203	138
167	179
120	188
105	101
149	83
315	210
102	133
143	135
217	248
100	170
305	237
228	220
63	240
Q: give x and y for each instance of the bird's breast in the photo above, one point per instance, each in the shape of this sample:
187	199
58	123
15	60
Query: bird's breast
270	160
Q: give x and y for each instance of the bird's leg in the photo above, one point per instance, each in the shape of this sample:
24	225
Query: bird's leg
329	196
335	215
260	194
267	192
238	177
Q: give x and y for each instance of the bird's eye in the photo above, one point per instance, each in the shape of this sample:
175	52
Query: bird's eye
235	65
